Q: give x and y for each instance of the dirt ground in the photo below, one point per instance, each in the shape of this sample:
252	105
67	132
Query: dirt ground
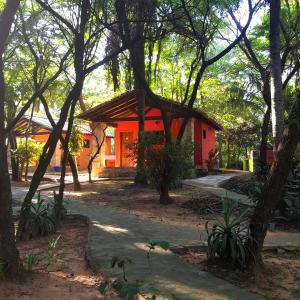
67	277
143	201
280	278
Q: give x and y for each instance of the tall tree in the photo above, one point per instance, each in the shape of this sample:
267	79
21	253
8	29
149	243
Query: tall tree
8	250
254	47
200	31
277	101
82	28
271	191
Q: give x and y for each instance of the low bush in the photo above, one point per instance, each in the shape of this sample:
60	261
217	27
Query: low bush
41	220
227	238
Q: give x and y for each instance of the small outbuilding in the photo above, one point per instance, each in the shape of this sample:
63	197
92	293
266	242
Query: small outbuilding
120	118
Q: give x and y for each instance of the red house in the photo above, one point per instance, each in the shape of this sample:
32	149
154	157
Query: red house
117	123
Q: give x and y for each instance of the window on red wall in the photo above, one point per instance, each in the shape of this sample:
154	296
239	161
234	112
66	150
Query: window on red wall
204	133
86	144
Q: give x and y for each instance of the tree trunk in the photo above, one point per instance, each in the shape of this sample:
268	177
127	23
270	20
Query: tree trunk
73	166
164	184
141	177
58	198
264	141
137	55
14	158
164	197
99	145
284	151
8	250
275	71
272	190
46	156
72	98
266	93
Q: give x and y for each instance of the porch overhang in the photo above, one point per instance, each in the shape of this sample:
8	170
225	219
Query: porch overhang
124	108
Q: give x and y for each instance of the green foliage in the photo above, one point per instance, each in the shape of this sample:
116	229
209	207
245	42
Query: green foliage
176	157
31	260
293	205
161	244
128	290
125	290
41	220
3	267
75	142
227	238
30	152
51	249
152	245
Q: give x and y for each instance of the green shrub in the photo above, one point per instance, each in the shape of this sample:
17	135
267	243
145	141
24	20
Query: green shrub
128	290
227	238
76	141
177	157
30	152
3	267
30	261
41	219
292	202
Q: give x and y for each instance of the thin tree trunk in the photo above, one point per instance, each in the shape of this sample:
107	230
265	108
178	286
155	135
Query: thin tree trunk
264	140
58	207
137	55
140	177
164	197
99	145
277	102
272	190
26	143
8	250
266	93
164	184
46	156
74	170
14	157
72	98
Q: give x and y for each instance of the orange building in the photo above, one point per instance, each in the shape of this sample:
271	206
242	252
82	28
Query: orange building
114	124
39	130
120	117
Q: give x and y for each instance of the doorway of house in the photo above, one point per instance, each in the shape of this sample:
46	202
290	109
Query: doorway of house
126	140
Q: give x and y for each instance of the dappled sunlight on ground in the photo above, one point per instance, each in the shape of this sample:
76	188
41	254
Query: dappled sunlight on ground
143	201
110	228
157	250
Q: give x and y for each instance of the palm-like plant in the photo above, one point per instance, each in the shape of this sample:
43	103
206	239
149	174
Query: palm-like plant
227	238
41	220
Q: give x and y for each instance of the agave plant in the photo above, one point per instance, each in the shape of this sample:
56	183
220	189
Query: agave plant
227	238
41	220
3	266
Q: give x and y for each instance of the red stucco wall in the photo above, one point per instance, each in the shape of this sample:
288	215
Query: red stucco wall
202	145
208	143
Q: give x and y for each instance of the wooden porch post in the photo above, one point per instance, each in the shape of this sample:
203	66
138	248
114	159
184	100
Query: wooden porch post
140	177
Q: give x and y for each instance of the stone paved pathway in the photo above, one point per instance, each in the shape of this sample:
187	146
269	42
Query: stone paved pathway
214	180
211	184
116	233
120	234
